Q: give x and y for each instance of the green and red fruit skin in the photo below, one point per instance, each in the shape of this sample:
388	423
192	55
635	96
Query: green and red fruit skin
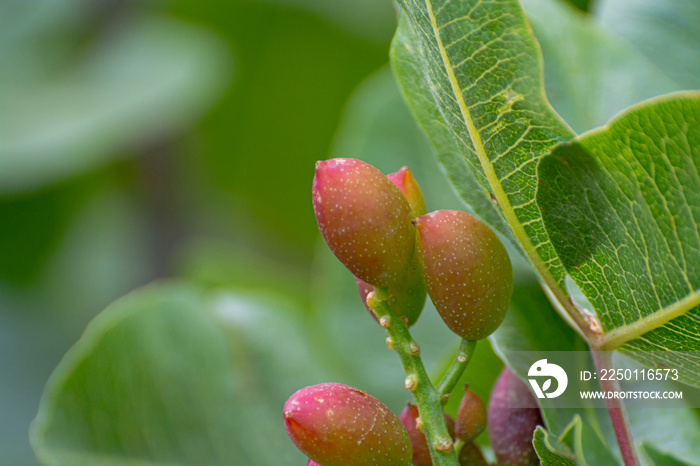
471	455
407	297
403	179
421	453
471	416
339	425
466	271
365	220
511	428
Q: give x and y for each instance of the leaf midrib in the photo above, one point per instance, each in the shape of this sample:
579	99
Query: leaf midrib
498	192
626	333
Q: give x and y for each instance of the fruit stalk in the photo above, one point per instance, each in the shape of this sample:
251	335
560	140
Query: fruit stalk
427	397
456	369
616	409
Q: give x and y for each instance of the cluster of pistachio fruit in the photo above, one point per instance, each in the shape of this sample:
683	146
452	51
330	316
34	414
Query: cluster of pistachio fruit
379	228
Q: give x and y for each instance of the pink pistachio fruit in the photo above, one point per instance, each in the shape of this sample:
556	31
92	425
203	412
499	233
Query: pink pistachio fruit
511	428
312	463
466	270
471	416
407	297
365	219
338	425
421	453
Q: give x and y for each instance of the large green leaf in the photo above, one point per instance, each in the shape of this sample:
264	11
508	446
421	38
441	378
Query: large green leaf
172	375
144	80
622	207
449	149
472	74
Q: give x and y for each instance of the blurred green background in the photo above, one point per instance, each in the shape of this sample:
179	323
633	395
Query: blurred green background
152	139
162	138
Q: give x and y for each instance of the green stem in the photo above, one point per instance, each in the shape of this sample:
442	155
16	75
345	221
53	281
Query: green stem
427	397
454	372
458	446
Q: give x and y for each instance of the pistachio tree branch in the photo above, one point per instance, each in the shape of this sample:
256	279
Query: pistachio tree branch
616	408
417	381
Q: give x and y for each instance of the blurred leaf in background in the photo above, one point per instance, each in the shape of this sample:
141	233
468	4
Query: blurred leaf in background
140	78
172	374
143	139
255	151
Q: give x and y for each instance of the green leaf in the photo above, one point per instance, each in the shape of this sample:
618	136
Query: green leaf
148	78
673	429
576	445
171	375
550	450
472	74
449	150
622	207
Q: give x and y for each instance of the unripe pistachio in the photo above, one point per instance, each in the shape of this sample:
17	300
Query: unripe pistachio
365	219
408	185
511	428
407	297
421	453
471	455
338	425
466	270
471	416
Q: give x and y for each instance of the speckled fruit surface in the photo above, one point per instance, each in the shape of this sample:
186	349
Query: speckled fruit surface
471	455
338	425
511	429
466	271
471	416
365	220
